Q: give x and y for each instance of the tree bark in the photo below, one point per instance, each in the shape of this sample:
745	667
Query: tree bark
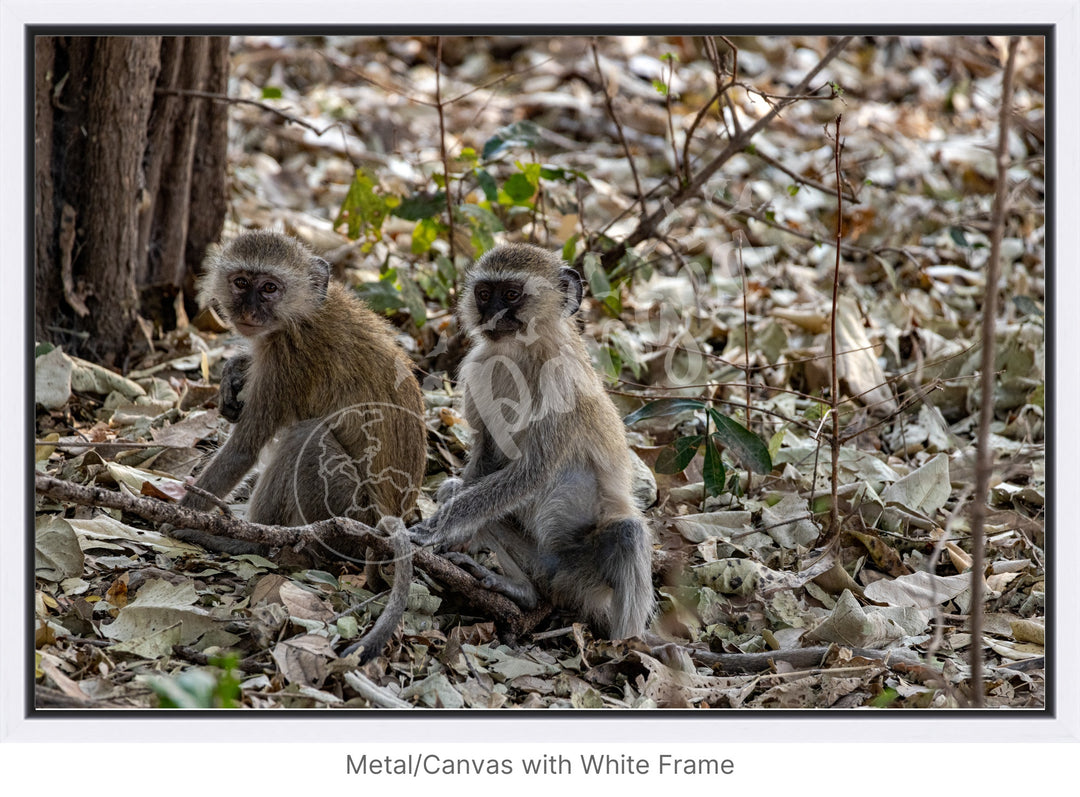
121	93
129	183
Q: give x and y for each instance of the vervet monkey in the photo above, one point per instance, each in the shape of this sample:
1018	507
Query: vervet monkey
325	389
547	486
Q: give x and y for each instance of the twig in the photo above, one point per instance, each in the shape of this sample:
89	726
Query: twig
442	151
717	97
798	178
195	489
746	345
248	665
834	389
675	166
554	632
647	227
215	97
984	461
71	444
372	692
618	126
800	658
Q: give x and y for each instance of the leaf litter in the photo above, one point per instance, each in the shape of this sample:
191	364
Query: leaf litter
127	617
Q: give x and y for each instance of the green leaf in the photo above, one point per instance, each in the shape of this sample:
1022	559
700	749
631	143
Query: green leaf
662	407
482	223
532	172
958	237
610	362
713	471
887	698
438	282
661	87
569	248
1026	305
364	208
413	300
776	440
271	93
549	172
519	188
600	286
383	296
520	134
675	457
424	234
196	688
741	442
487	185
1038	396
445	269
421	205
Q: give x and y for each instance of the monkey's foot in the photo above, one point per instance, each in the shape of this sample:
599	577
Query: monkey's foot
213	542
520	593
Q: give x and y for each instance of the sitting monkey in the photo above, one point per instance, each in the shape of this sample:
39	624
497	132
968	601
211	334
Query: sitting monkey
547	486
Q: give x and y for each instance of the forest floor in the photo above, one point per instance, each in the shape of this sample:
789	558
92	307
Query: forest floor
765	604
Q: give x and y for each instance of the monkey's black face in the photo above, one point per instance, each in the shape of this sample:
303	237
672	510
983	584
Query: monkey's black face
498	304
254	297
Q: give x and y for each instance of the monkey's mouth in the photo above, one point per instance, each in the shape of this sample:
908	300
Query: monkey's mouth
248	329
500	328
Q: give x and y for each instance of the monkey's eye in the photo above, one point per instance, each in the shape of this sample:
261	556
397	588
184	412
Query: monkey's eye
483	295
269	287
512	295
240	283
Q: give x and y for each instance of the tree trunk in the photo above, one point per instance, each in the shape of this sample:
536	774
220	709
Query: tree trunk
124	207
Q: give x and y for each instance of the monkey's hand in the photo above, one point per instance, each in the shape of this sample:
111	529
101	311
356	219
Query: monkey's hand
233	378
426	532
435	530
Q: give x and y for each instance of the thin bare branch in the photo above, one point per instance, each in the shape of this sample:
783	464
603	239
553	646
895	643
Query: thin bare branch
442	152
209	95
618	125
834	391
647	227
984	462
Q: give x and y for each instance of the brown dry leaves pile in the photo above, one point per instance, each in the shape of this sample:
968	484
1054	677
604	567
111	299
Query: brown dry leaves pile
124	614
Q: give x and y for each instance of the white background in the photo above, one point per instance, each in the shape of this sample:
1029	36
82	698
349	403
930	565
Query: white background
821	752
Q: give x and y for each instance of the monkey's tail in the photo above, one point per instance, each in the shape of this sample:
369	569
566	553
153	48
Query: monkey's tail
375	640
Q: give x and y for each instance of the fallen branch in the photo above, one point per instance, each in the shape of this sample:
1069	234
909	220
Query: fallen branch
334	534
373	693
799	658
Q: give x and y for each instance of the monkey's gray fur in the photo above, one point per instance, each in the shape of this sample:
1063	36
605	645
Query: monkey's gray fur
547	486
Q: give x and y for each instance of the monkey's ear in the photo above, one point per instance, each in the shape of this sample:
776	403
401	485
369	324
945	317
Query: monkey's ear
320	276
570	283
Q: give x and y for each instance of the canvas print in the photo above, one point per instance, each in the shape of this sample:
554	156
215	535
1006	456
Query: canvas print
574	371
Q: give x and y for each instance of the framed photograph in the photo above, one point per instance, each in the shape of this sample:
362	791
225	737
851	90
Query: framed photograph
526	378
